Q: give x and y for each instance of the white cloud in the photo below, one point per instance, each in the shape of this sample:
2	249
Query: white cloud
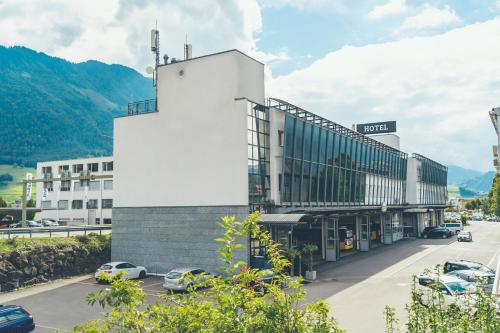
305	5
439	89
115	31
430	17
391	8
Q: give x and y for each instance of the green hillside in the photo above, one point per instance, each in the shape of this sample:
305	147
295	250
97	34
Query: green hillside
13	190
53	109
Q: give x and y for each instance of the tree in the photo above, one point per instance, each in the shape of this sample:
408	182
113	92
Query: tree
3	203
293	253
310	249
229	303
31	203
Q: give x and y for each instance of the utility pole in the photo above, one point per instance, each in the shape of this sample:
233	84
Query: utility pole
43	180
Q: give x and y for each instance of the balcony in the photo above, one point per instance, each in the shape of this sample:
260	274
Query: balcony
146	106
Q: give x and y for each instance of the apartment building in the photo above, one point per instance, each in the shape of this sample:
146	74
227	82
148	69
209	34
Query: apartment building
72	201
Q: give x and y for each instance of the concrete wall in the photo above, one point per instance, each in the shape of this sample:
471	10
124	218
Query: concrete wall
193	151
171	237
276	123
411	180
391	140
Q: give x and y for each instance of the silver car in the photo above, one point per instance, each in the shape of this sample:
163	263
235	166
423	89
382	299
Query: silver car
177	280
464	236
483	279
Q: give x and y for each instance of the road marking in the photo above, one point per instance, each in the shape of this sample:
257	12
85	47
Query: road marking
55	329
493	258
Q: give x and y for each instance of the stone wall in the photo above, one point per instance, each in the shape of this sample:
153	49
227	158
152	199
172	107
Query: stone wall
39	262
163	238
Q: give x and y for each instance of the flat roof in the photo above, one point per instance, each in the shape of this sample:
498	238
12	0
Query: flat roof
210	55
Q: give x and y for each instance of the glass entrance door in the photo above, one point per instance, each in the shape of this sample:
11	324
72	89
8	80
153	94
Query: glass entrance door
364	239
332	249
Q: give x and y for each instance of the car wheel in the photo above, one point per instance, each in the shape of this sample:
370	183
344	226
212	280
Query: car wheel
444	236
142	275
425	236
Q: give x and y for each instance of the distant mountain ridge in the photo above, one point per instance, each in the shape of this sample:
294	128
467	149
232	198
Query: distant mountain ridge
51	108
470	182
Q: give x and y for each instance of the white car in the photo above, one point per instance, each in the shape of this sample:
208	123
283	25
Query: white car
33	224
112	268
453	289
175	279
482	279
464	236
49	223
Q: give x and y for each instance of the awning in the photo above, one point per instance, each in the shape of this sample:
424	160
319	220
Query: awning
416	210
285	219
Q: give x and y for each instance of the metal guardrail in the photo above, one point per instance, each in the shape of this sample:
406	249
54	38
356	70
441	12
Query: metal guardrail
53	230
140	107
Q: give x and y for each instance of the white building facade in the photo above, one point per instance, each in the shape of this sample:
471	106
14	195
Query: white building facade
212	145
75	202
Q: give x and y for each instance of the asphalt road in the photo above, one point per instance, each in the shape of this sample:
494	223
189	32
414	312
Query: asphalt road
357	287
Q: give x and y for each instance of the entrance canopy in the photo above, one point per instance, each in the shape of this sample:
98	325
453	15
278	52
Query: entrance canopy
285	219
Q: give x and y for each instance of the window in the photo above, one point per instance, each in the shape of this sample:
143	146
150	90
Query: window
77	186
62	204
108	184
107	166
77	168
107	203
107	221
93	167
77	204
280	138
95	185
46	170
92	204
63	168
46	204
66	185
48	186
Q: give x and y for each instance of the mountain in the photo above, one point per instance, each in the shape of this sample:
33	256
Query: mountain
459	175
481	183
51	108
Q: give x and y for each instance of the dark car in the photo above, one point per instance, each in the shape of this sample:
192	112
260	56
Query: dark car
460	265
14	318
433	232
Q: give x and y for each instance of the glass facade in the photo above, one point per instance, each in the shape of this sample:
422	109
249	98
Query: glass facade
431	181
258	154
325	164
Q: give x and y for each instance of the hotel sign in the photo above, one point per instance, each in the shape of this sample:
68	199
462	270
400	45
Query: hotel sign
377	128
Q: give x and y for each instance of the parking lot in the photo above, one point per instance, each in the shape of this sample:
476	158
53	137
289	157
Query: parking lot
357	287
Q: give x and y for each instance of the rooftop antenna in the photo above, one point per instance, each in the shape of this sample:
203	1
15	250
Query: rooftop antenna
155	48
188	50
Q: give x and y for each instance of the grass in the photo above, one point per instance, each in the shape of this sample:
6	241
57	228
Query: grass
13	190
25	244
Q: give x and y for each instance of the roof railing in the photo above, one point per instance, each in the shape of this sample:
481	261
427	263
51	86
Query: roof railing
140	107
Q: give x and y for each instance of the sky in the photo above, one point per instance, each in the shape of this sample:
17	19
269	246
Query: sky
433	66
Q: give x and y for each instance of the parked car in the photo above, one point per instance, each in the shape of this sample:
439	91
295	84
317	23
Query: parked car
455	227
33	224
452	288
482	279
451	266
16	224
433	232
49	223
131	271
176	279
464	236
14	318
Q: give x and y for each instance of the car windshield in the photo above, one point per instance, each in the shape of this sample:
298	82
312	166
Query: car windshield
106	267
173	275
460	287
